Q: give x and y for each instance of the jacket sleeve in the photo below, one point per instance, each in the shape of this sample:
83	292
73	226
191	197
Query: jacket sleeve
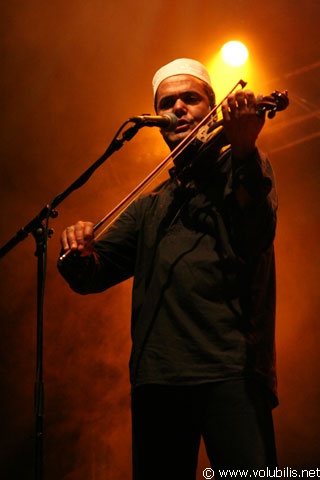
113	259
253	227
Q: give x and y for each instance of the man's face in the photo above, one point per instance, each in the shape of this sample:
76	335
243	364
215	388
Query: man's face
184	96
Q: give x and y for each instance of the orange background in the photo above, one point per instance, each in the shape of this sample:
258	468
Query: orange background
72	73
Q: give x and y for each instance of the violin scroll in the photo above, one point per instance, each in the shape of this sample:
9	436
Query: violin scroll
273	103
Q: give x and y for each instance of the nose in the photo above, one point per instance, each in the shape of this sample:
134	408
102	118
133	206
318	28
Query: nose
179	108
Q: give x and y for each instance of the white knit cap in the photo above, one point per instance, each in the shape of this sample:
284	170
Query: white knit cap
180	66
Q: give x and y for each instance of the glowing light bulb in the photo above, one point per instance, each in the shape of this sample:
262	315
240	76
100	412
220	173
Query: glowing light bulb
234	53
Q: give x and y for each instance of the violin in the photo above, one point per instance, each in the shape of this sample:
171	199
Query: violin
275	102
210	138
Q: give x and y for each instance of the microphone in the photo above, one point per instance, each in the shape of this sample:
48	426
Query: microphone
168	121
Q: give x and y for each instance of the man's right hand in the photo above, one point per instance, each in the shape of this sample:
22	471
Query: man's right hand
78	238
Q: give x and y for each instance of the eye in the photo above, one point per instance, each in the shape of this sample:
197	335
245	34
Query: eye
166	103
191	98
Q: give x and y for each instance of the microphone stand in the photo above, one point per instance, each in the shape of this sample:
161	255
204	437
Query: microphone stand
39	228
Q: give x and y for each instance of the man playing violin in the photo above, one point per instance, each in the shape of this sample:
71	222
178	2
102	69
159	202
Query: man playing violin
200	250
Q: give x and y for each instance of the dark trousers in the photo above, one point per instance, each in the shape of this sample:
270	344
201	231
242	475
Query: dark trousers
233	417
